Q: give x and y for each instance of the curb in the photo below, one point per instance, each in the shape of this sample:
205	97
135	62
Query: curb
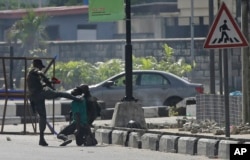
185	144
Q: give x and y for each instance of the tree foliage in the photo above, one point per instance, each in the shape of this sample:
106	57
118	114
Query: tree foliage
15	4
29	31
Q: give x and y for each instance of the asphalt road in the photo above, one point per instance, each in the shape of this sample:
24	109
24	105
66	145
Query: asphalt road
25	147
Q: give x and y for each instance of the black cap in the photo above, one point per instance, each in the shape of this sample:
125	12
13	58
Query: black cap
38	63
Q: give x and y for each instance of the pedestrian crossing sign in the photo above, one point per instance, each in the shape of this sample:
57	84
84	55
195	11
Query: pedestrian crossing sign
224	32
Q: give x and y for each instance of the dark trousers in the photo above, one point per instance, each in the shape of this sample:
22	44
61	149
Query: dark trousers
37	102
81	132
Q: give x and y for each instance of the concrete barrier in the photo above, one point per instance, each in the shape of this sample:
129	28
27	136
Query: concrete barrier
119	137
62	108
134	140
168	143
224	148
150	141
207	147
103	136
187	145
10	109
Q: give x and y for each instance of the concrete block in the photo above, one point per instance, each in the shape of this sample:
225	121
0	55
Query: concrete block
150	112
224	148
10	108
168	143
11	120
134	140
119	137
150	141
126	111
103	135
208	147
163	111
191	110
187	145
49	108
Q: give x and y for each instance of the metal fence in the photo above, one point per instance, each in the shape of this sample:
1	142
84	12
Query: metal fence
211	107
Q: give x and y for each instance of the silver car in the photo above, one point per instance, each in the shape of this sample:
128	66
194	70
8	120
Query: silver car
150	88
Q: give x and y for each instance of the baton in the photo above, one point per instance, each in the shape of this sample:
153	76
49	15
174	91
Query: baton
52	130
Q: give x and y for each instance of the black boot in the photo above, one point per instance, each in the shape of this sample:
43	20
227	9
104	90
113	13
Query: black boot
62	137
42	141
65	139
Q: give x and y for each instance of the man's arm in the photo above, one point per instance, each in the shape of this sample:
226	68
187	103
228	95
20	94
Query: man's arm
46	80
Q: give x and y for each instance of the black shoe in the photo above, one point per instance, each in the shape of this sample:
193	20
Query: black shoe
62	137
43	143
66	142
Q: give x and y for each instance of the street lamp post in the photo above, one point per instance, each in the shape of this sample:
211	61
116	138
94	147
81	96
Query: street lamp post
128	55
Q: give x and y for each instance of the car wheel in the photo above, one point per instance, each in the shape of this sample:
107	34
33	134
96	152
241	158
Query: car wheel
172	103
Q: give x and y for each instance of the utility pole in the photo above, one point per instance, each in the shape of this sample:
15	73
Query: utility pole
192	33
211	54
245	63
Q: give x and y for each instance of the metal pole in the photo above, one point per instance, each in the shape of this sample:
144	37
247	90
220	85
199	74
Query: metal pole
211	55
128	55
245	63
226	93
11	67
221	72
192	31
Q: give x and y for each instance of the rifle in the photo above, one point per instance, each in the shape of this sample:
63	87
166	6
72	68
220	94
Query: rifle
50	64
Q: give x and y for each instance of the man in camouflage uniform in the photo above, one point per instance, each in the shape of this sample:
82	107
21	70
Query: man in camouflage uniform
40	88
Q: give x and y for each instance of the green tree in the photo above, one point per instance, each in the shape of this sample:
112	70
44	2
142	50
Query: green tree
29	31
109	68
15	4
169	64
74	73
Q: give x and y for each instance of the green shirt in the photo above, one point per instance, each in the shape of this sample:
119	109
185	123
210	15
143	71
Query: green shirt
81	109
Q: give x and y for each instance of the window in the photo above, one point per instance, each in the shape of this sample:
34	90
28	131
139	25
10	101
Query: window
153	79
86	32
53	32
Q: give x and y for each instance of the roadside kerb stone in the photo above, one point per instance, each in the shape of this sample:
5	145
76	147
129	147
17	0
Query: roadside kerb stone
168	143
150	141
134	140
119	137
103	136
187	145
224	148
207	147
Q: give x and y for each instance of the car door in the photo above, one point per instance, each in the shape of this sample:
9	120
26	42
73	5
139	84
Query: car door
152	89
115	92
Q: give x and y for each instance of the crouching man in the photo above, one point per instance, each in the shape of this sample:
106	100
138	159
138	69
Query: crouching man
83	114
